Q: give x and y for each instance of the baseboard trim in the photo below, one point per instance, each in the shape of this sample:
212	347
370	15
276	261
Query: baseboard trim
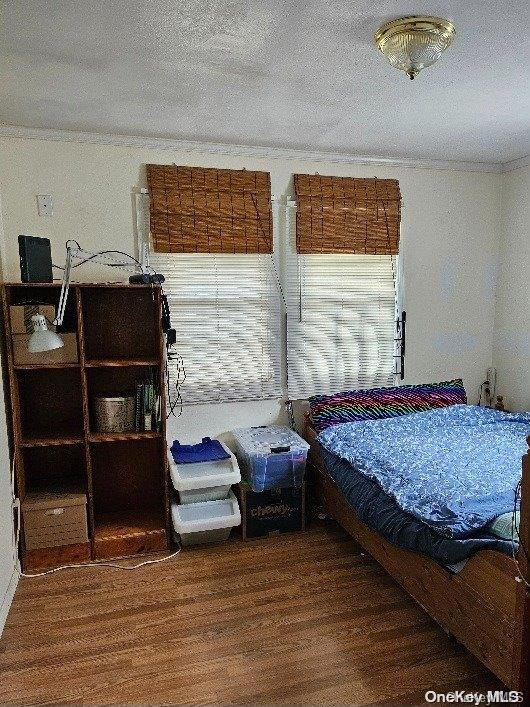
8	598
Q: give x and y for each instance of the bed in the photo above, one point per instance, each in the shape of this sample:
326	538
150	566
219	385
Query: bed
483	606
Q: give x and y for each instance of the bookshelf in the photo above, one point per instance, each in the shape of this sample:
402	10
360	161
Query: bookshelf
114	335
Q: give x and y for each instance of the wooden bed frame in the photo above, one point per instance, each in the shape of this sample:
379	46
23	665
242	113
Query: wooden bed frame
484	606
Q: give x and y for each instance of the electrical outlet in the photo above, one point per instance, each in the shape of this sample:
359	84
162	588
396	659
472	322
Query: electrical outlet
491	377
44	205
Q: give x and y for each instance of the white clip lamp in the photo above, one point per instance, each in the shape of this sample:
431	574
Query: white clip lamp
42	338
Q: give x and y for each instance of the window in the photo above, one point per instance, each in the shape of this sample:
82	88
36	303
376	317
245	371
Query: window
211	233
341	275
341	323
226	312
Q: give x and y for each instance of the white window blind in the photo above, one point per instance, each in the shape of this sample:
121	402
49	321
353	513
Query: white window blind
226	312
341	323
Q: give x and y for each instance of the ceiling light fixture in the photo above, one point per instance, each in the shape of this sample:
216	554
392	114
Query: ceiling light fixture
412	43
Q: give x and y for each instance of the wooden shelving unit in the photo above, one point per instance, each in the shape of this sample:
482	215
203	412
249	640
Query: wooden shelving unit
117	329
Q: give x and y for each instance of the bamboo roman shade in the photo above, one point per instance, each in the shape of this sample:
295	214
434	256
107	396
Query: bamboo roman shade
347	215
205	210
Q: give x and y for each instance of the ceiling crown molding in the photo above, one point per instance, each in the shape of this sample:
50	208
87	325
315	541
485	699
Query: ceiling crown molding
15	131
516	164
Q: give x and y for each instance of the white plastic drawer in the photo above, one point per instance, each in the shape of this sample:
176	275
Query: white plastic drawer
208	515
202	475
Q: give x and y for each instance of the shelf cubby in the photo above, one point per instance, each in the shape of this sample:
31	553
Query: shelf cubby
121	324
129	496
55	465
43	294
125	533
51	404
126	475
110	381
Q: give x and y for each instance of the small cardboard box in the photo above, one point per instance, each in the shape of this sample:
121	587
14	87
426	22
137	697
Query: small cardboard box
271	512
55	517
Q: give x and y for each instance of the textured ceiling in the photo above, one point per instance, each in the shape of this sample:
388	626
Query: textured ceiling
287	74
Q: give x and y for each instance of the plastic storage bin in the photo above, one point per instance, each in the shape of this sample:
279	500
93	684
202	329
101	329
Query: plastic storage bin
207	522
271	457
204	481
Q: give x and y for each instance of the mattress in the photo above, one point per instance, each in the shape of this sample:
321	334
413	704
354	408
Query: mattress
455	469
381	512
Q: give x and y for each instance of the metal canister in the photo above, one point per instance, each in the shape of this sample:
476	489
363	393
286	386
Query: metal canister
114	414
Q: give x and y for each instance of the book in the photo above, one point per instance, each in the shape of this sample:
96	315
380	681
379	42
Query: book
138	408
147	403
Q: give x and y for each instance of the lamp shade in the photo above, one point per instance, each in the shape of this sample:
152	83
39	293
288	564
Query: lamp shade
42	338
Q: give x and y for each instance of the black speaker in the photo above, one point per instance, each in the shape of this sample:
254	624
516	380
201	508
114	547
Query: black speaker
35	259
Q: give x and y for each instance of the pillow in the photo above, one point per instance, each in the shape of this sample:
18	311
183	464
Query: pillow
502	525
377	403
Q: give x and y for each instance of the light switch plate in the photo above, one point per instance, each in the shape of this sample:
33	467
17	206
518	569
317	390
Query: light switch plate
44	204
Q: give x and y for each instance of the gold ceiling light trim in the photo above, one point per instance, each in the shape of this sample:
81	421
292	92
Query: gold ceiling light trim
412	43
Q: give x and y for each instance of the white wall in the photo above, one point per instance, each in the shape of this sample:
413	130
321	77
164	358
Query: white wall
450	226
8	578
512	314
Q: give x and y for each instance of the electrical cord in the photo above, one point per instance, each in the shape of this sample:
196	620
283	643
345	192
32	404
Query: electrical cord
267	243
515	533
481	390
99	254
181	377
114	565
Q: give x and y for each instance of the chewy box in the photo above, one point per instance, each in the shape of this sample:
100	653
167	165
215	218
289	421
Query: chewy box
271	512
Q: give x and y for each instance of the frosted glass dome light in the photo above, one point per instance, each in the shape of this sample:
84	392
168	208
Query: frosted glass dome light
412	43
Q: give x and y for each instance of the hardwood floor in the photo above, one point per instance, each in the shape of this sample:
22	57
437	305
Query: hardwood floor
301	618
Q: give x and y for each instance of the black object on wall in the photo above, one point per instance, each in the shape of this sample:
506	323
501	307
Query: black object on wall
35	259
401	323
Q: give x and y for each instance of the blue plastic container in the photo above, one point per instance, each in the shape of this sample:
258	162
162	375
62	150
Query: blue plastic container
271	457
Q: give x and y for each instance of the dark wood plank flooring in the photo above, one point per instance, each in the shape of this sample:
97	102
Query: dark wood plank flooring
301	618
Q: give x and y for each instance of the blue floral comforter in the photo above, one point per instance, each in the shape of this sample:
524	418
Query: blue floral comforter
455	468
